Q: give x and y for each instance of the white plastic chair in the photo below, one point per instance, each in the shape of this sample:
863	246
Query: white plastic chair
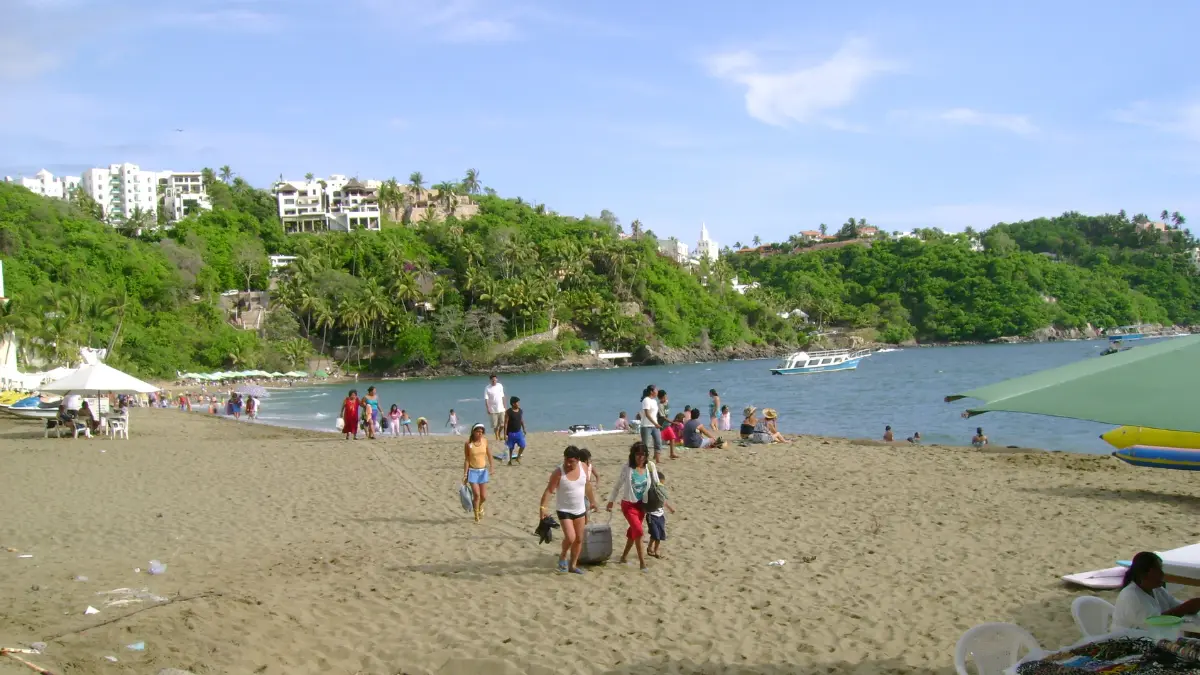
993	647
119	426
1093	615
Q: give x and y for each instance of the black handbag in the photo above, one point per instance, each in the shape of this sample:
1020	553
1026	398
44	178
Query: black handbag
656	495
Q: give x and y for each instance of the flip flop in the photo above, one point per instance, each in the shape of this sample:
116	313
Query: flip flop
577	571
562	566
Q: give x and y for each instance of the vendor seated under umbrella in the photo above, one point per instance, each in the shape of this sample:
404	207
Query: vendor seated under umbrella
1143	595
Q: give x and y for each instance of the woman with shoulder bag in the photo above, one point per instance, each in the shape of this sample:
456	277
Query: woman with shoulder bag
632	488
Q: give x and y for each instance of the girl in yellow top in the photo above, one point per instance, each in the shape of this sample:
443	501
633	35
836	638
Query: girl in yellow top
477	465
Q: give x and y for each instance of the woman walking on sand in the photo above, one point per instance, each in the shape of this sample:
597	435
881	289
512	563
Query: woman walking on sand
349	415
572	489
631	488
477	467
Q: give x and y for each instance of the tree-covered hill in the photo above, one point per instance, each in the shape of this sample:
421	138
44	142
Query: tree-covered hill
1067	272
457	292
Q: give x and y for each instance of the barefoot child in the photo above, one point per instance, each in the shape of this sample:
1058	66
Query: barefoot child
394	418
422	426
405	423
657	522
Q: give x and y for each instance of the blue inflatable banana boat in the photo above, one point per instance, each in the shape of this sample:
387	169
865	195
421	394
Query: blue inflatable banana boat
1158	457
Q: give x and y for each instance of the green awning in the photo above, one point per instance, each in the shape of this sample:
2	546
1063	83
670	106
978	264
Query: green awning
1153	385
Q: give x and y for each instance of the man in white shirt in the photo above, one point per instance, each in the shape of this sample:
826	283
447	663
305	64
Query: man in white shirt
493	401
648	417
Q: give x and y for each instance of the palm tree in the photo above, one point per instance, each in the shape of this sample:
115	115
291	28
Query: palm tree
757	240
308	176
737	245
1177	219
226	174
635	229
470	183
323	320
1164	216
417	182
824	229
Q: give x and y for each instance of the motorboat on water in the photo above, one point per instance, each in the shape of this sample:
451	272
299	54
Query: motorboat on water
828	360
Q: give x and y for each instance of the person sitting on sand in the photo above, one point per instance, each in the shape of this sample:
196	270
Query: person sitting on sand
477	466
770	422
622	423
726	424
749	422
422	426
915	439
571	485
888	436
695	435
1143	595
979	440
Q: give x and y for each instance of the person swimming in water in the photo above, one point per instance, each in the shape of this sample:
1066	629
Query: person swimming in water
979	440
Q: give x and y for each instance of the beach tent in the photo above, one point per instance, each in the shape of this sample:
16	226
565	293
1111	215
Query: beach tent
295	373
100	378
321	373
1148	386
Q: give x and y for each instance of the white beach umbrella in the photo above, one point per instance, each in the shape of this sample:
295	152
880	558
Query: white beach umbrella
100	377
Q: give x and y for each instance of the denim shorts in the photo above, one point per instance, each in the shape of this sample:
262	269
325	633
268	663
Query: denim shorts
516	439
658	527
477	476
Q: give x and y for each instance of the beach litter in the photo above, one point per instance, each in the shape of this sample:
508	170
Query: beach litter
138	646
111	658
81	578
119	597
91	610
777	563
39	647
157	567
25	555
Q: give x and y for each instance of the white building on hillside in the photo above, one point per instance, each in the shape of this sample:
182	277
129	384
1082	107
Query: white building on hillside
674	249
337	203
47	184
182	193
706	248
121	189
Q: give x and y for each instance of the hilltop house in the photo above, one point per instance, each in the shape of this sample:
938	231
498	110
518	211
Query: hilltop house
337	203
706	249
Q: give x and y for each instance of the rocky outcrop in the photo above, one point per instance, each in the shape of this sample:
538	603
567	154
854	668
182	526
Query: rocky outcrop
648	355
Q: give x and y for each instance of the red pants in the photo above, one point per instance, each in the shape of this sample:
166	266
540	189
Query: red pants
635	514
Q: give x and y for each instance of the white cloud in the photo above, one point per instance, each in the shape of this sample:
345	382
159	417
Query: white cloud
1182	120
449	20
1017	124
801	94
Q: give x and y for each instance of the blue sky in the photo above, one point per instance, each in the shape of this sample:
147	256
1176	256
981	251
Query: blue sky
762	121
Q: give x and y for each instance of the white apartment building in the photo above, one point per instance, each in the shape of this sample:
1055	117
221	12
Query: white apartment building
337	203
122	188
678	251
47	184
182	193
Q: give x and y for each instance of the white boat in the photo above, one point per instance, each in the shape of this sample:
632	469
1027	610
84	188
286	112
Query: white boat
820	362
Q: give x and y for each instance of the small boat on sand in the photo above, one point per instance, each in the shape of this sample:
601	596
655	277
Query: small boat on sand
1157	457
801	363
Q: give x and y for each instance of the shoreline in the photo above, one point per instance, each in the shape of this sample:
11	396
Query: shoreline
292	551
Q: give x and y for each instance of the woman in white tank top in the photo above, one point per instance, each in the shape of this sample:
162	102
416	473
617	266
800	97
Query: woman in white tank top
572	496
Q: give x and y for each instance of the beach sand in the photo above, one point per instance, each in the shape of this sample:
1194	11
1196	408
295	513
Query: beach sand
298	552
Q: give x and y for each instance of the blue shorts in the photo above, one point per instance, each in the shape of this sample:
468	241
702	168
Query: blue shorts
658	527
516	438
478	476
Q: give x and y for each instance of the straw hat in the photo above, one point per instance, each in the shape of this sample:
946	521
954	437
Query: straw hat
770	413
748	411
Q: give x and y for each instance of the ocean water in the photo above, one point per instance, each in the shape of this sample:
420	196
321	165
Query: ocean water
904	388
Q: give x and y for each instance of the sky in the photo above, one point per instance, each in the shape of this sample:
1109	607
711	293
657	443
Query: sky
759	121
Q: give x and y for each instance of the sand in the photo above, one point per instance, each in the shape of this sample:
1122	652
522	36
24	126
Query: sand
298	552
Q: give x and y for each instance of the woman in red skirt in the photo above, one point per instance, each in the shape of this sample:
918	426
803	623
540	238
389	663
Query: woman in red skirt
631	489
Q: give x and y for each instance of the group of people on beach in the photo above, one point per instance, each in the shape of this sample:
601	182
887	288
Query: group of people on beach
687	429
365	412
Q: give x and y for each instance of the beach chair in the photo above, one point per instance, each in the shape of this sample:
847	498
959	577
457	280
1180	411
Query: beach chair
118	425
81	426
1093	615
993	647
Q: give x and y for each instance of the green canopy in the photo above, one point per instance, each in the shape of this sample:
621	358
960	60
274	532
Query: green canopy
1147	386
322	373
276	374
295	373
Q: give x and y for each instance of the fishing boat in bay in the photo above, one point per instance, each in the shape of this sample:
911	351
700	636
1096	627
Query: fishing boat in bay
801	363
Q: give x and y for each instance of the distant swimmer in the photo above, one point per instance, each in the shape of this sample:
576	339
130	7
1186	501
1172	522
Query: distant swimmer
887	434
979	440
915	439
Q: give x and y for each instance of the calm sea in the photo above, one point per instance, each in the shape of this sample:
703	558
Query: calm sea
904	388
